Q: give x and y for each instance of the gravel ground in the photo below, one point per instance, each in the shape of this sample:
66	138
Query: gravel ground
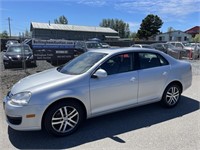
10	76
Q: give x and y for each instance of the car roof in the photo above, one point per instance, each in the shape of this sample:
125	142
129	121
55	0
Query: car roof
127	49
91	42
111	51
18	44
158	43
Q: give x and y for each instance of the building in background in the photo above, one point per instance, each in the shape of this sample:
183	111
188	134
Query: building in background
70	32
174	36
193	31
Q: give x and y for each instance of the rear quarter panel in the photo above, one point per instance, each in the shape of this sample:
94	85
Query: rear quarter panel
181	71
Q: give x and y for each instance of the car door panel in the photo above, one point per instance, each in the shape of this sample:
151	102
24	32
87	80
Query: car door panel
152	82
114	91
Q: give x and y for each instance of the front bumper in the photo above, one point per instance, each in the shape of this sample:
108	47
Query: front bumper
16	116
16	63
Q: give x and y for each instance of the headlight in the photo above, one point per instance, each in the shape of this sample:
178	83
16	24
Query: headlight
5	57
20	99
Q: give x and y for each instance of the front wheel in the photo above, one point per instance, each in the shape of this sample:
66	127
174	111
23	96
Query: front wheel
63	118
171	95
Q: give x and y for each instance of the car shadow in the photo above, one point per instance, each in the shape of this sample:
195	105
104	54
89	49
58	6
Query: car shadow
107	126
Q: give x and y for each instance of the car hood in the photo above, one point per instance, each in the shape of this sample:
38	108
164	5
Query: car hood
39	80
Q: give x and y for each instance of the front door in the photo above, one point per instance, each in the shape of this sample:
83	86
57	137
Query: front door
117	90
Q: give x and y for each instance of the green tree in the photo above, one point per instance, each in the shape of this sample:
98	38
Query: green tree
197	38
4	34
117	25
127	31
61	20
133	35
149	26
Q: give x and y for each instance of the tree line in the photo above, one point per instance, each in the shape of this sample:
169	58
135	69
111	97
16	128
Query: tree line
149	27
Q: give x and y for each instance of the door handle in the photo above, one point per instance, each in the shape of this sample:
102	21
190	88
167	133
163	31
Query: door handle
132	79
164	73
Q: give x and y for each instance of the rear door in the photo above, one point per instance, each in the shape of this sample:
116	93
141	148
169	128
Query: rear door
153	74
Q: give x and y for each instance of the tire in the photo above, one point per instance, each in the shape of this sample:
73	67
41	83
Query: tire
57	122
171	95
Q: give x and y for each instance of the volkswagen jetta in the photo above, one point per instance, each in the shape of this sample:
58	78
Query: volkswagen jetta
95	83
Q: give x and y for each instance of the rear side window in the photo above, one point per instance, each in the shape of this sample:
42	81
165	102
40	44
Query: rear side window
151	60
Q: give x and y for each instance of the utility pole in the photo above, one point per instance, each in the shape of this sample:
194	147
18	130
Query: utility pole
9	26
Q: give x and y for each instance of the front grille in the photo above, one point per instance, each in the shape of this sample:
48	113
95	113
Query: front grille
15	58
14	120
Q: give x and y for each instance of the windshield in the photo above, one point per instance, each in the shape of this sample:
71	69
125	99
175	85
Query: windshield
12	42
146	46
187	44
82	63
18	49
93	45
170	46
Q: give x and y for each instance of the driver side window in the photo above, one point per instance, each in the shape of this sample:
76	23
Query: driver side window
118	64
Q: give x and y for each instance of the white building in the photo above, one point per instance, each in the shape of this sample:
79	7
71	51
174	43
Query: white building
173	36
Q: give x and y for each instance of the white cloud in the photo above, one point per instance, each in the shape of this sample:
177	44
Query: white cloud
93	3
164	8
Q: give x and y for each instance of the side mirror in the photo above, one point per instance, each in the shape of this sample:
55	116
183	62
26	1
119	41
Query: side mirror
100	73
4	50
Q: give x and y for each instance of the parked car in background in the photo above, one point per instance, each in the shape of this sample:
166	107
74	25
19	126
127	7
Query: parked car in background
97	82
160	46
184	46
11	42
88	45
16	54
142	45
170	49
105	45
196	47
92	45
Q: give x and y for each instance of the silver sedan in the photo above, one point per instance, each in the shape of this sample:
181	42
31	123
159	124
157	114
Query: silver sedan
95	83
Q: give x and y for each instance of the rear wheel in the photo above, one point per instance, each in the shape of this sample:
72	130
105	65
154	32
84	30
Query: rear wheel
171	95
63	118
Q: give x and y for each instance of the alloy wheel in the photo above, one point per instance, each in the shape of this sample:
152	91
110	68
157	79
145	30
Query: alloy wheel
65	119
172	95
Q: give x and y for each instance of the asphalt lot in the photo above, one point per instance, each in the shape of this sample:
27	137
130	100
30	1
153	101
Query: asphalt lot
149	127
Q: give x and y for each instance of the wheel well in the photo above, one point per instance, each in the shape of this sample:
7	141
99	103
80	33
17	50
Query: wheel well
177	83
64	99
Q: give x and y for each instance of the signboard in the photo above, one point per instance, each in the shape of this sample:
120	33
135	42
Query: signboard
52	44
53	49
